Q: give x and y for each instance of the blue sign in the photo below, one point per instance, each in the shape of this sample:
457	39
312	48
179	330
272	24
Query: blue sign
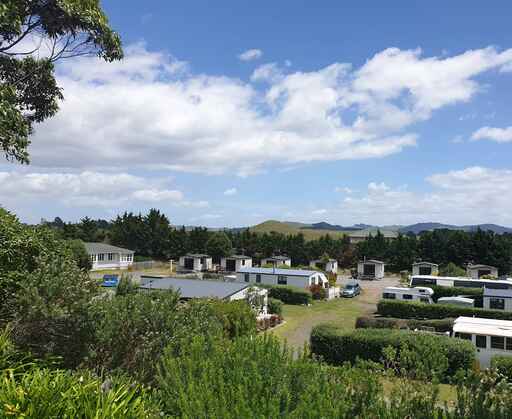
110	281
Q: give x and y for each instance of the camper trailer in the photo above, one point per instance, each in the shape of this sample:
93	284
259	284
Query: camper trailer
491	337
422	294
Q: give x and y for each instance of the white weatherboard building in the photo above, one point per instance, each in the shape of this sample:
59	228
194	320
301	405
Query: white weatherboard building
330	265
235	263
477	271
274	276
195	262
370	269
491	337
276	261
422	294
425	268
497	297
106	256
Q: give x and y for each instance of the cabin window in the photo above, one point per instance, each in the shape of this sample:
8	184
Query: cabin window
407	297
497	303
282	280
481	341
101	257
389	295
465	336
110	256
258	278
246	277
93	258
508	344
425	270
243	262
497	342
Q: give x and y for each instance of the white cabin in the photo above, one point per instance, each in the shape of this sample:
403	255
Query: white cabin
275	276
195	263
422	294
106	256
425	268
370	269
276	261
491	337
330	266
478	271
497	297
235	263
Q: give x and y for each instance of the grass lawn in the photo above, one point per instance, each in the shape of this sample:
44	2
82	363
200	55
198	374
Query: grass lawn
447	393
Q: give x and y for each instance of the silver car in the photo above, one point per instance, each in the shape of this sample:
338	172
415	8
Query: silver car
351	290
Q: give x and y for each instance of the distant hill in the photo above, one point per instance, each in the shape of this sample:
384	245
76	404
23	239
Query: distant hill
332	227
419	227
286	227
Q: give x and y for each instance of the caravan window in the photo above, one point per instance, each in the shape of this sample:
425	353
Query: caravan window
497	303
481	341
258	278
407	297
246	277
389	295
497	342
282	280
508	344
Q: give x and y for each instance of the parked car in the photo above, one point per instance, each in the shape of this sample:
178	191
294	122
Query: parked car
351	290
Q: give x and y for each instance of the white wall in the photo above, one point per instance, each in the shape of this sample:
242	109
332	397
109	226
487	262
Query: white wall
296	281
198	266
266	261
239	263
498	293
118	262
379	269
331	266
473	273
484	355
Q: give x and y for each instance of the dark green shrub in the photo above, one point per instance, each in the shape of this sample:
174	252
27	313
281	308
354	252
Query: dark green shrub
440	355
237	317
275	306
414	310
439	325
451	269
440	291
289	294
503	364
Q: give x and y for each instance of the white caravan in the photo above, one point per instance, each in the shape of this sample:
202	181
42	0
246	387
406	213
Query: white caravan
422	294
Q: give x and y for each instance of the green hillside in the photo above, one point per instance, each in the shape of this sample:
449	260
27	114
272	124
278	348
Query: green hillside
293	228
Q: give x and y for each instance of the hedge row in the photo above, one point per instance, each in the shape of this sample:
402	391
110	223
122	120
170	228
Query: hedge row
475	293
275	306
289	294
439	325
416	310
504	365
422	351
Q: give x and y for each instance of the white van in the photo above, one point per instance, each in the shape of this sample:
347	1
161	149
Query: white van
422	294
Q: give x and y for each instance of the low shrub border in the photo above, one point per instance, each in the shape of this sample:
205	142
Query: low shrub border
474	293
414	310
503	364
439	325
289	294
275	306
336	346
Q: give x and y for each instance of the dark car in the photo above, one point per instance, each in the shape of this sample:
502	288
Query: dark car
351	290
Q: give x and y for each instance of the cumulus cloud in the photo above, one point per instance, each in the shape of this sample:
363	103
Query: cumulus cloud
343	189
230	192
499	135
320	211
151	112
250	55
87	189
472	195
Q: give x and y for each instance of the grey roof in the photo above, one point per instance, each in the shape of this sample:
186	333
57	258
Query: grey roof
278	258
322	261
373	231
277	271
95	248
479	266
424	263
197	255
194	288
242	257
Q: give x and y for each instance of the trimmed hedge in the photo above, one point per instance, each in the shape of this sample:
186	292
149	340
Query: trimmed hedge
475	293
416	310
335	346
503	364
289	294
275	306
439	325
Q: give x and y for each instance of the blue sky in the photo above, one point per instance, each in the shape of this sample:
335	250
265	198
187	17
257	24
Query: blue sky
346	112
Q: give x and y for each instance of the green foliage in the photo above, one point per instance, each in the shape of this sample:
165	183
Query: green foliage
289	294
418	355
318	292
439	325
415	310
275	306
219	246
440	291
80	254
237	317
28	90
44	393
503	364
451	269
126	286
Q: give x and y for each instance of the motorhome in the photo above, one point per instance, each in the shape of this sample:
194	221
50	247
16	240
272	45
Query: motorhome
422	294
491	337
462	282
457	301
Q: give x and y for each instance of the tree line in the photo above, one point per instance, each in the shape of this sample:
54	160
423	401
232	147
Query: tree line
151	235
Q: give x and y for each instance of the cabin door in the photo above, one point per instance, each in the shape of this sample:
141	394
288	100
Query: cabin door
369	270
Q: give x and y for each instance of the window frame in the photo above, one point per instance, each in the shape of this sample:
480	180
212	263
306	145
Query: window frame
494	300
477	337
282	280
493	340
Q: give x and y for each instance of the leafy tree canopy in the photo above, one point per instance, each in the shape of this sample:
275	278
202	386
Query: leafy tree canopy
34	34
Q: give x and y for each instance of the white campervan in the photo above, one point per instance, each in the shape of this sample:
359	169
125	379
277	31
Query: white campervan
422	294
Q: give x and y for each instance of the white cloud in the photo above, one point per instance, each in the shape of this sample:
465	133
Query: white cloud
85	189
320	211
230	192
344	189
471	195
150	112
499	135
251	54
